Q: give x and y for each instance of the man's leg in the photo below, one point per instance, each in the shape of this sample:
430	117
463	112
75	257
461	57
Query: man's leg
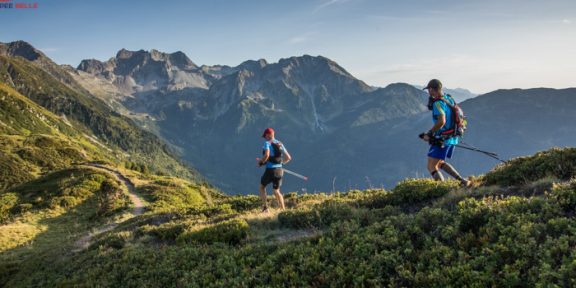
450	170
263	197
279	198
433	167
276	183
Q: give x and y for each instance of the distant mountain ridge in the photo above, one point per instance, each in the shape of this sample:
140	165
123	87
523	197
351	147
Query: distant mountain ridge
141	71
325	116
459	94
305	98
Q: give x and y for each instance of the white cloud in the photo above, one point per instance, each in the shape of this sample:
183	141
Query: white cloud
566	21
302	38
329	3
297	40
49	49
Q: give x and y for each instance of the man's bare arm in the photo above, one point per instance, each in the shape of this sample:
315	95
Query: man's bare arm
287	157
439	123
264	158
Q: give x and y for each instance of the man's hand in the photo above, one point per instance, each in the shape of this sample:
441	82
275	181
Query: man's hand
424	136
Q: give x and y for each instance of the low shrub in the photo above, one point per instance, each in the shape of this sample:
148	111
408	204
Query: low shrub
299	218
334	211
373	199
244	203
232	232
168	231
13	170
65	188
7	202
565	195
557	163
165	196
23	208
115	240
473	214
110	198
318	216
415	191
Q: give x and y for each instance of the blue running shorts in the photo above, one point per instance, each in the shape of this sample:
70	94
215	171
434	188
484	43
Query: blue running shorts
440	152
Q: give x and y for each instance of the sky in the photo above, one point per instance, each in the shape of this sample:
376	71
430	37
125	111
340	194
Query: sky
477	45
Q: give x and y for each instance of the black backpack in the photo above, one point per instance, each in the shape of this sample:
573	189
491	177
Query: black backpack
277	158
459	121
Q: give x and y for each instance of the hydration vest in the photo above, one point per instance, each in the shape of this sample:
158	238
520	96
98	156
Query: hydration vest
459	122
277	158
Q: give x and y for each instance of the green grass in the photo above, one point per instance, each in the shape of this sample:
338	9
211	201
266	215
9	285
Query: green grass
62	189
37	141
557	163
60	207
419	234
168	194
481	241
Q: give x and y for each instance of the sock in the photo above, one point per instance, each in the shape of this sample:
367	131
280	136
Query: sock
437	175
450	170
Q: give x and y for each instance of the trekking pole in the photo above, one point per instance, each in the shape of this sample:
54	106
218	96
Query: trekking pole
291	172
472	148
296	174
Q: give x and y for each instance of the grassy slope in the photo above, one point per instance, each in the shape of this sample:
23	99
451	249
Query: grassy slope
41	218
34	141
513	229
47	201
91	116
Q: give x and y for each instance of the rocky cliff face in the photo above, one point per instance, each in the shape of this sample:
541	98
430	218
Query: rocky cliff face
143	71
22	49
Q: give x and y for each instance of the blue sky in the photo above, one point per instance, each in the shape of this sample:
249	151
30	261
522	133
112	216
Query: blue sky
478	45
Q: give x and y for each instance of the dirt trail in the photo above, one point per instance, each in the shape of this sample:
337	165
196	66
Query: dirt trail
138	203
138	209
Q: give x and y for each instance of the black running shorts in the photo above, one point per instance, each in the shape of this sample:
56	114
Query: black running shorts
274	176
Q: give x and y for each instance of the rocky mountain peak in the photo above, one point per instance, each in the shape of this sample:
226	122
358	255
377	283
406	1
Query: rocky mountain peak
317	64
125	54
157	55
180	60
22	49
141	57
304	60
253	65
91	66
145	71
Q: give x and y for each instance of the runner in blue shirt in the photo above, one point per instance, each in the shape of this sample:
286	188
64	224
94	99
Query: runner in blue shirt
274	156
440	149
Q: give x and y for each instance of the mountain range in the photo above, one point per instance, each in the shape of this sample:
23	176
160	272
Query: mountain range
217	122
341	132
214	116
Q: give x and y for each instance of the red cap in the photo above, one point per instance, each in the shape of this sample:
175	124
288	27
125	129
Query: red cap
268	131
